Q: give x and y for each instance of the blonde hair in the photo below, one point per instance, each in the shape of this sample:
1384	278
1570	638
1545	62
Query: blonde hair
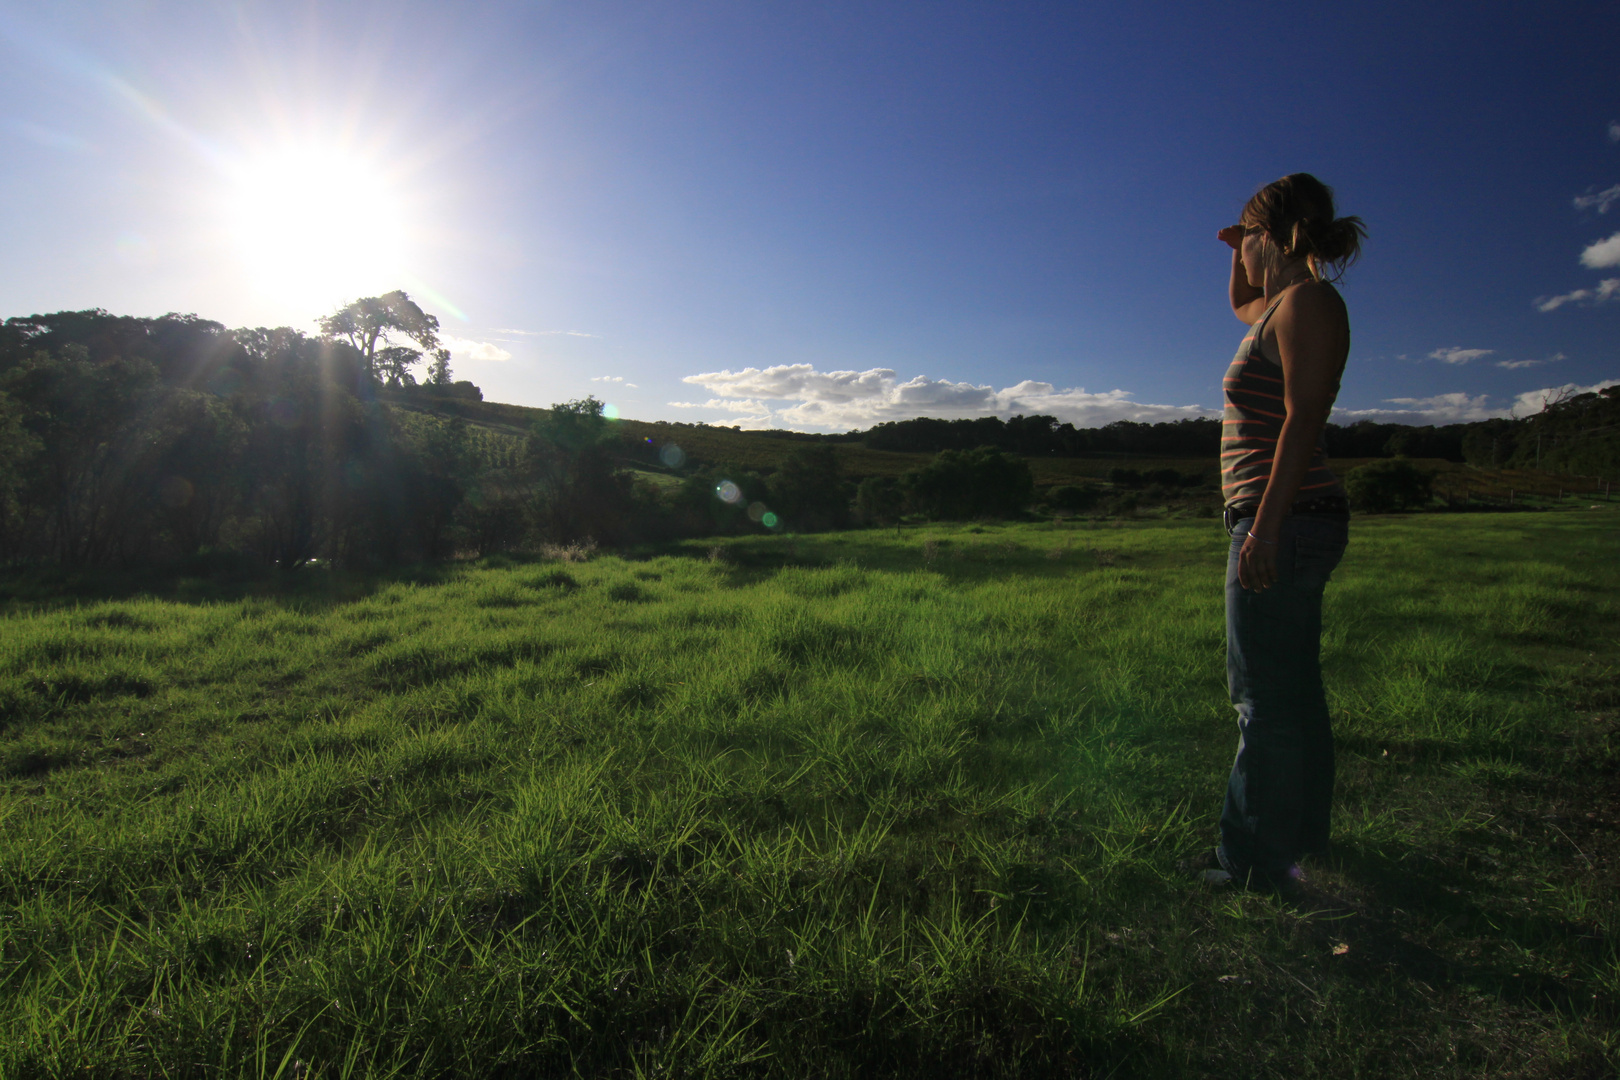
1296	214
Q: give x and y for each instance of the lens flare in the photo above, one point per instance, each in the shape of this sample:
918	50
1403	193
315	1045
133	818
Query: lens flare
757	511
672	455
728	493
770	520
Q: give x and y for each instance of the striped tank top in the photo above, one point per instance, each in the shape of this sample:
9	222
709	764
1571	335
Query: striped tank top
1252	423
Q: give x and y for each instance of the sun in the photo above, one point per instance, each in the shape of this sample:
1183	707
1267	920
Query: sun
316	226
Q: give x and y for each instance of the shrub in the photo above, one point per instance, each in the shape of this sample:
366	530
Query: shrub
1125	505
1073	497
578	551
962	485
809	490
1126	478
879	500
1381	487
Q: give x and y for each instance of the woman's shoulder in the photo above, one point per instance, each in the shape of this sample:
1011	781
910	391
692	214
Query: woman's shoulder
1313	294
1309	310
1312	301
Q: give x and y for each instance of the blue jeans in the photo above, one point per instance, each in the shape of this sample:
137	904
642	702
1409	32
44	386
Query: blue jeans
1280	793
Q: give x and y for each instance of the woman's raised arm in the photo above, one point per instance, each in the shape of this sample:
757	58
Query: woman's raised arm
1248	301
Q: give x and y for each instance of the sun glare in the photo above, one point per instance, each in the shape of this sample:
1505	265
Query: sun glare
316	227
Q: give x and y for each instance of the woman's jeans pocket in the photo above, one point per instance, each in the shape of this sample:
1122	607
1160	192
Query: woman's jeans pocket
1319	545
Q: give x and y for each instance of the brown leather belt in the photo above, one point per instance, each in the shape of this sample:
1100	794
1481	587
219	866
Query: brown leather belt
1325	505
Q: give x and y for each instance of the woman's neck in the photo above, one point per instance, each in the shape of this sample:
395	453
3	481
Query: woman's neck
1289	274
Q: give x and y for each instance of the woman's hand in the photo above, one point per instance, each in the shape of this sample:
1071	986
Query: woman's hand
1248	301
1257	564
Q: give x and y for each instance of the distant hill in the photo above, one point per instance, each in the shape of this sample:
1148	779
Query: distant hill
1576	437
763	451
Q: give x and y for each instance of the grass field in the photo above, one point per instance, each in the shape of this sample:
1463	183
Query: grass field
901	803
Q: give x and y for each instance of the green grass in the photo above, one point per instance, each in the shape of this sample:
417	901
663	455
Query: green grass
864	804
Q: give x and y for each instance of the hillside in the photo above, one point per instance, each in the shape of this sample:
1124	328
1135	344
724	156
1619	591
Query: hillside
760	450
765	451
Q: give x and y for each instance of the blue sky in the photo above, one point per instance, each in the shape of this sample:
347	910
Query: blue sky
825	215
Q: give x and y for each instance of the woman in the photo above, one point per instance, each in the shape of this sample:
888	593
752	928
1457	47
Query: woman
1289	522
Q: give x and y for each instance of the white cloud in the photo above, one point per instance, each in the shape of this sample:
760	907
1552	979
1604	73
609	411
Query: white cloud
1441	409
476	351
753	414
1614	130
1515	365
1602	253
1602	200
619	379
1458	356
725	405
1607	289
854	399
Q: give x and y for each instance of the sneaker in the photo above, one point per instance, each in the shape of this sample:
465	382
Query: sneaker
1284	882
1208	868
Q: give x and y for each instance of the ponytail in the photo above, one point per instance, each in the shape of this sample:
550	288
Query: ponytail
1296	213
1332	244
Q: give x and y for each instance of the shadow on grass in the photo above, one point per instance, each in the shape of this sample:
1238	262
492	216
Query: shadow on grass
973	553
1398	896
209	579
979	553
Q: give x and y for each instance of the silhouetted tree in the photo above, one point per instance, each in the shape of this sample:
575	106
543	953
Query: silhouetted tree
1125	478
442	470
303	464
87	419
194	468
960	484
1074	497
439	368
579	491
17	448
879	500
809	492
701	507
367	325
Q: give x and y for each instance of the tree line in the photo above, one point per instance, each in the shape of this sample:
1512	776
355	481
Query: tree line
1577	434
132	440
126	441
